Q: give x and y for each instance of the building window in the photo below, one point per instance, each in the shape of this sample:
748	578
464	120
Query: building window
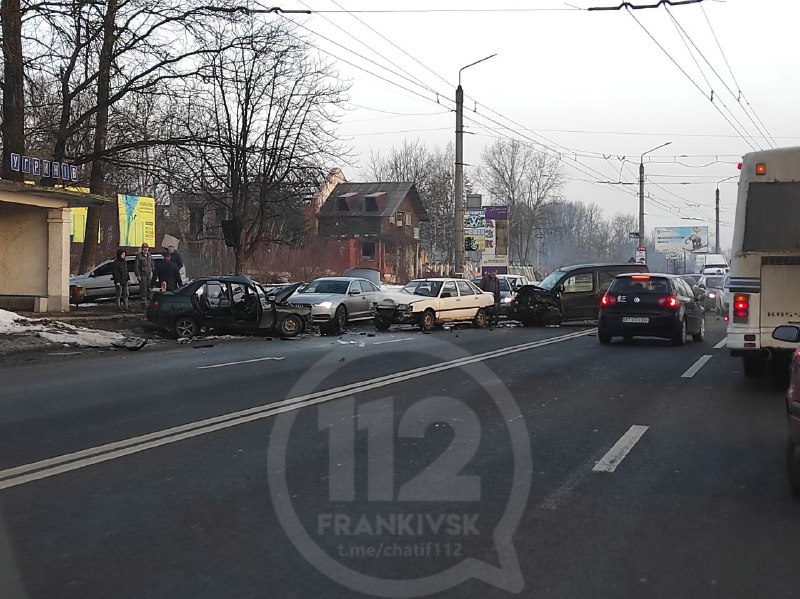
195	220
368	250
341	204
399	218
370	204
408	218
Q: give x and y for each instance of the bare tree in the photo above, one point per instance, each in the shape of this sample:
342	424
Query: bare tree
13	131
263	119
432	171
526	180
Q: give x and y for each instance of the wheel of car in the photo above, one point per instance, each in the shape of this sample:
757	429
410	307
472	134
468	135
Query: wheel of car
480	319
793	468
290	326
603	338
185	327
680	336
337	323
381	323
700	335
428	320
552	317
753	366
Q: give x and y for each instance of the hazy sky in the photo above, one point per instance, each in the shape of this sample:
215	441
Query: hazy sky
591	82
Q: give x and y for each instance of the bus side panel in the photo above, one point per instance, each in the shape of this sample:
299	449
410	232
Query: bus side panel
780	300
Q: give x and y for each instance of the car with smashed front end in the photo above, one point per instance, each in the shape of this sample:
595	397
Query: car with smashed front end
228	304
430	302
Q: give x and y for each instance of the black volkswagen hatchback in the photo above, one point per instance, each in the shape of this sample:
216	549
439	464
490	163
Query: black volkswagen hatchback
651	305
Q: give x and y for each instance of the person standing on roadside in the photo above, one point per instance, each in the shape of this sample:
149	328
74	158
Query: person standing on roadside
167	273
491	284
119	273
143	268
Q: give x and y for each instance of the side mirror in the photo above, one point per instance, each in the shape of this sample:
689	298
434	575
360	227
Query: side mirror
446	294
560	288
272	299
353	292
788	333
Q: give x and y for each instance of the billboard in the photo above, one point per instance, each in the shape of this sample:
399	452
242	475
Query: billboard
495	256
137	220
474	230
677	239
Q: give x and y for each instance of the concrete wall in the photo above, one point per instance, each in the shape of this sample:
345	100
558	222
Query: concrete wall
23	250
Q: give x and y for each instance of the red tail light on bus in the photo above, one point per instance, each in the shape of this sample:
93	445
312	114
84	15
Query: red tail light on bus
741	308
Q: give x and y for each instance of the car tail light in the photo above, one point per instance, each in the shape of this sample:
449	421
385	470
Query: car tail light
641	277
669	301
154	305
741	308
608	300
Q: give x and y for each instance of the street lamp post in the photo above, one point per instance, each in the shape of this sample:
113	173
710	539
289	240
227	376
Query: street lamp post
716	239
459	182
641	191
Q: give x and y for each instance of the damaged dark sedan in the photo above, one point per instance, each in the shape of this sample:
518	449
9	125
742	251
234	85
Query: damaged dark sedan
569	293
228	303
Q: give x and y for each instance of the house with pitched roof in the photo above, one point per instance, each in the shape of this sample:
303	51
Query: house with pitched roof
373	225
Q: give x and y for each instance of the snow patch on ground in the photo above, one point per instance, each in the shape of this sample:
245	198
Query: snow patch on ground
15	326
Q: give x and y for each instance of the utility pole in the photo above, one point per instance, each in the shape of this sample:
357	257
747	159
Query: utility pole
641	191
459	211
458	257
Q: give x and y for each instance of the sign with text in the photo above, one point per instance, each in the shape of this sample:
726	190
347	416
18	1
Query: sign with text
495	256
137	220
676	239
44	168
474	230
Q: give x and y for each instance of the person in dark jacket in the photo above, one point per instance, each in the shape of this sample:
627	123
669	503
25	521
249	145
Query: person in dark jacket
175	256
143	268
167	272
119	273
491	284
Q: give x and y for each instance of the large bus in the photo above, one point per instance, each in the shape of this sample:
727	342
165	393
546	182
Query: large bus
765	266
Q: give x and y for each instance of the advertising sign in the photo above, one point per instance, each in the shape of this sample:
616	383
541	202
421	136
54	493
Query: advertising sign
495	256
677	239
137	220
474	231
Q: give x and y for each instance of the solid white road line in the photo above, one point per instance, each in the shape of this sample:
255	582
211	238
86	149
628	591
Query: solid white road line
721	344
242	362
103	453
392	341
621	448
694	368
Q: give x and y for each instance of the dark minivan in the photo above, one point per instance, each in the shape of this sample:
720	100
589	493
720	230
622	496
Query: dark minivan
569	293
651	305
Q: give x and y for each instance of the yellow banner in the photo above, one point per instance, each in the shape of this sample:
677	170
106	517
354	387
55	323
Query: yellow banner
137	220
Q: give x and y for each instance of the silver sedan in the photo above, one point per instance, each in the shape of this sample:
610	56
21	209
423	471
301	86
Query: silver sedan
335	301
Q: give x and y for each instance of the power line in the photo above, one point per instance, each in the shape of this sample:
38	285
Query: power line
681	69
681	30
398	113
452	10
730	70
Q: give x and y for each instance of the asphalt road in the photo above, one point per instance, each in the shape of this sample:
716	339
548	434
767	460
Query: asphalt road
454	464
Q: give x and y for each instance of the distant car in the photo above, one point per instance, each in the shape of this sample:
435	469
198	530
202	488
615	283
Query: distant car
691	278
650	305
227	303
725	298
569	293
791	334
428	302
336	301
98	283
506	293
517	281
712	287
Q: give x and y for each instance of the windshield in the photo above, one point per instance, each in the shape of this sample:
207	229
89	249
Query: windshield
425	288
334	286
715	282
550	280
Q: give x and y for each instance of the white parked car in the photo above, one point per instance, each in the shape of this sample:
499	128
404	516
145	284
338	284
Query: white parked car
428	302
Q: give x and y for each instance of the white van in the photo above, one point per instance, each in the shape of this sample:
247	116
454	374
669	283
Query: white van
765	269
711	264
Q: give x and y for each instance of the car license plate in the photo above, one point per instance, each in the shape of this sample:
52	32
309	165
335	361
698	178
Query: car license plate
636	319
